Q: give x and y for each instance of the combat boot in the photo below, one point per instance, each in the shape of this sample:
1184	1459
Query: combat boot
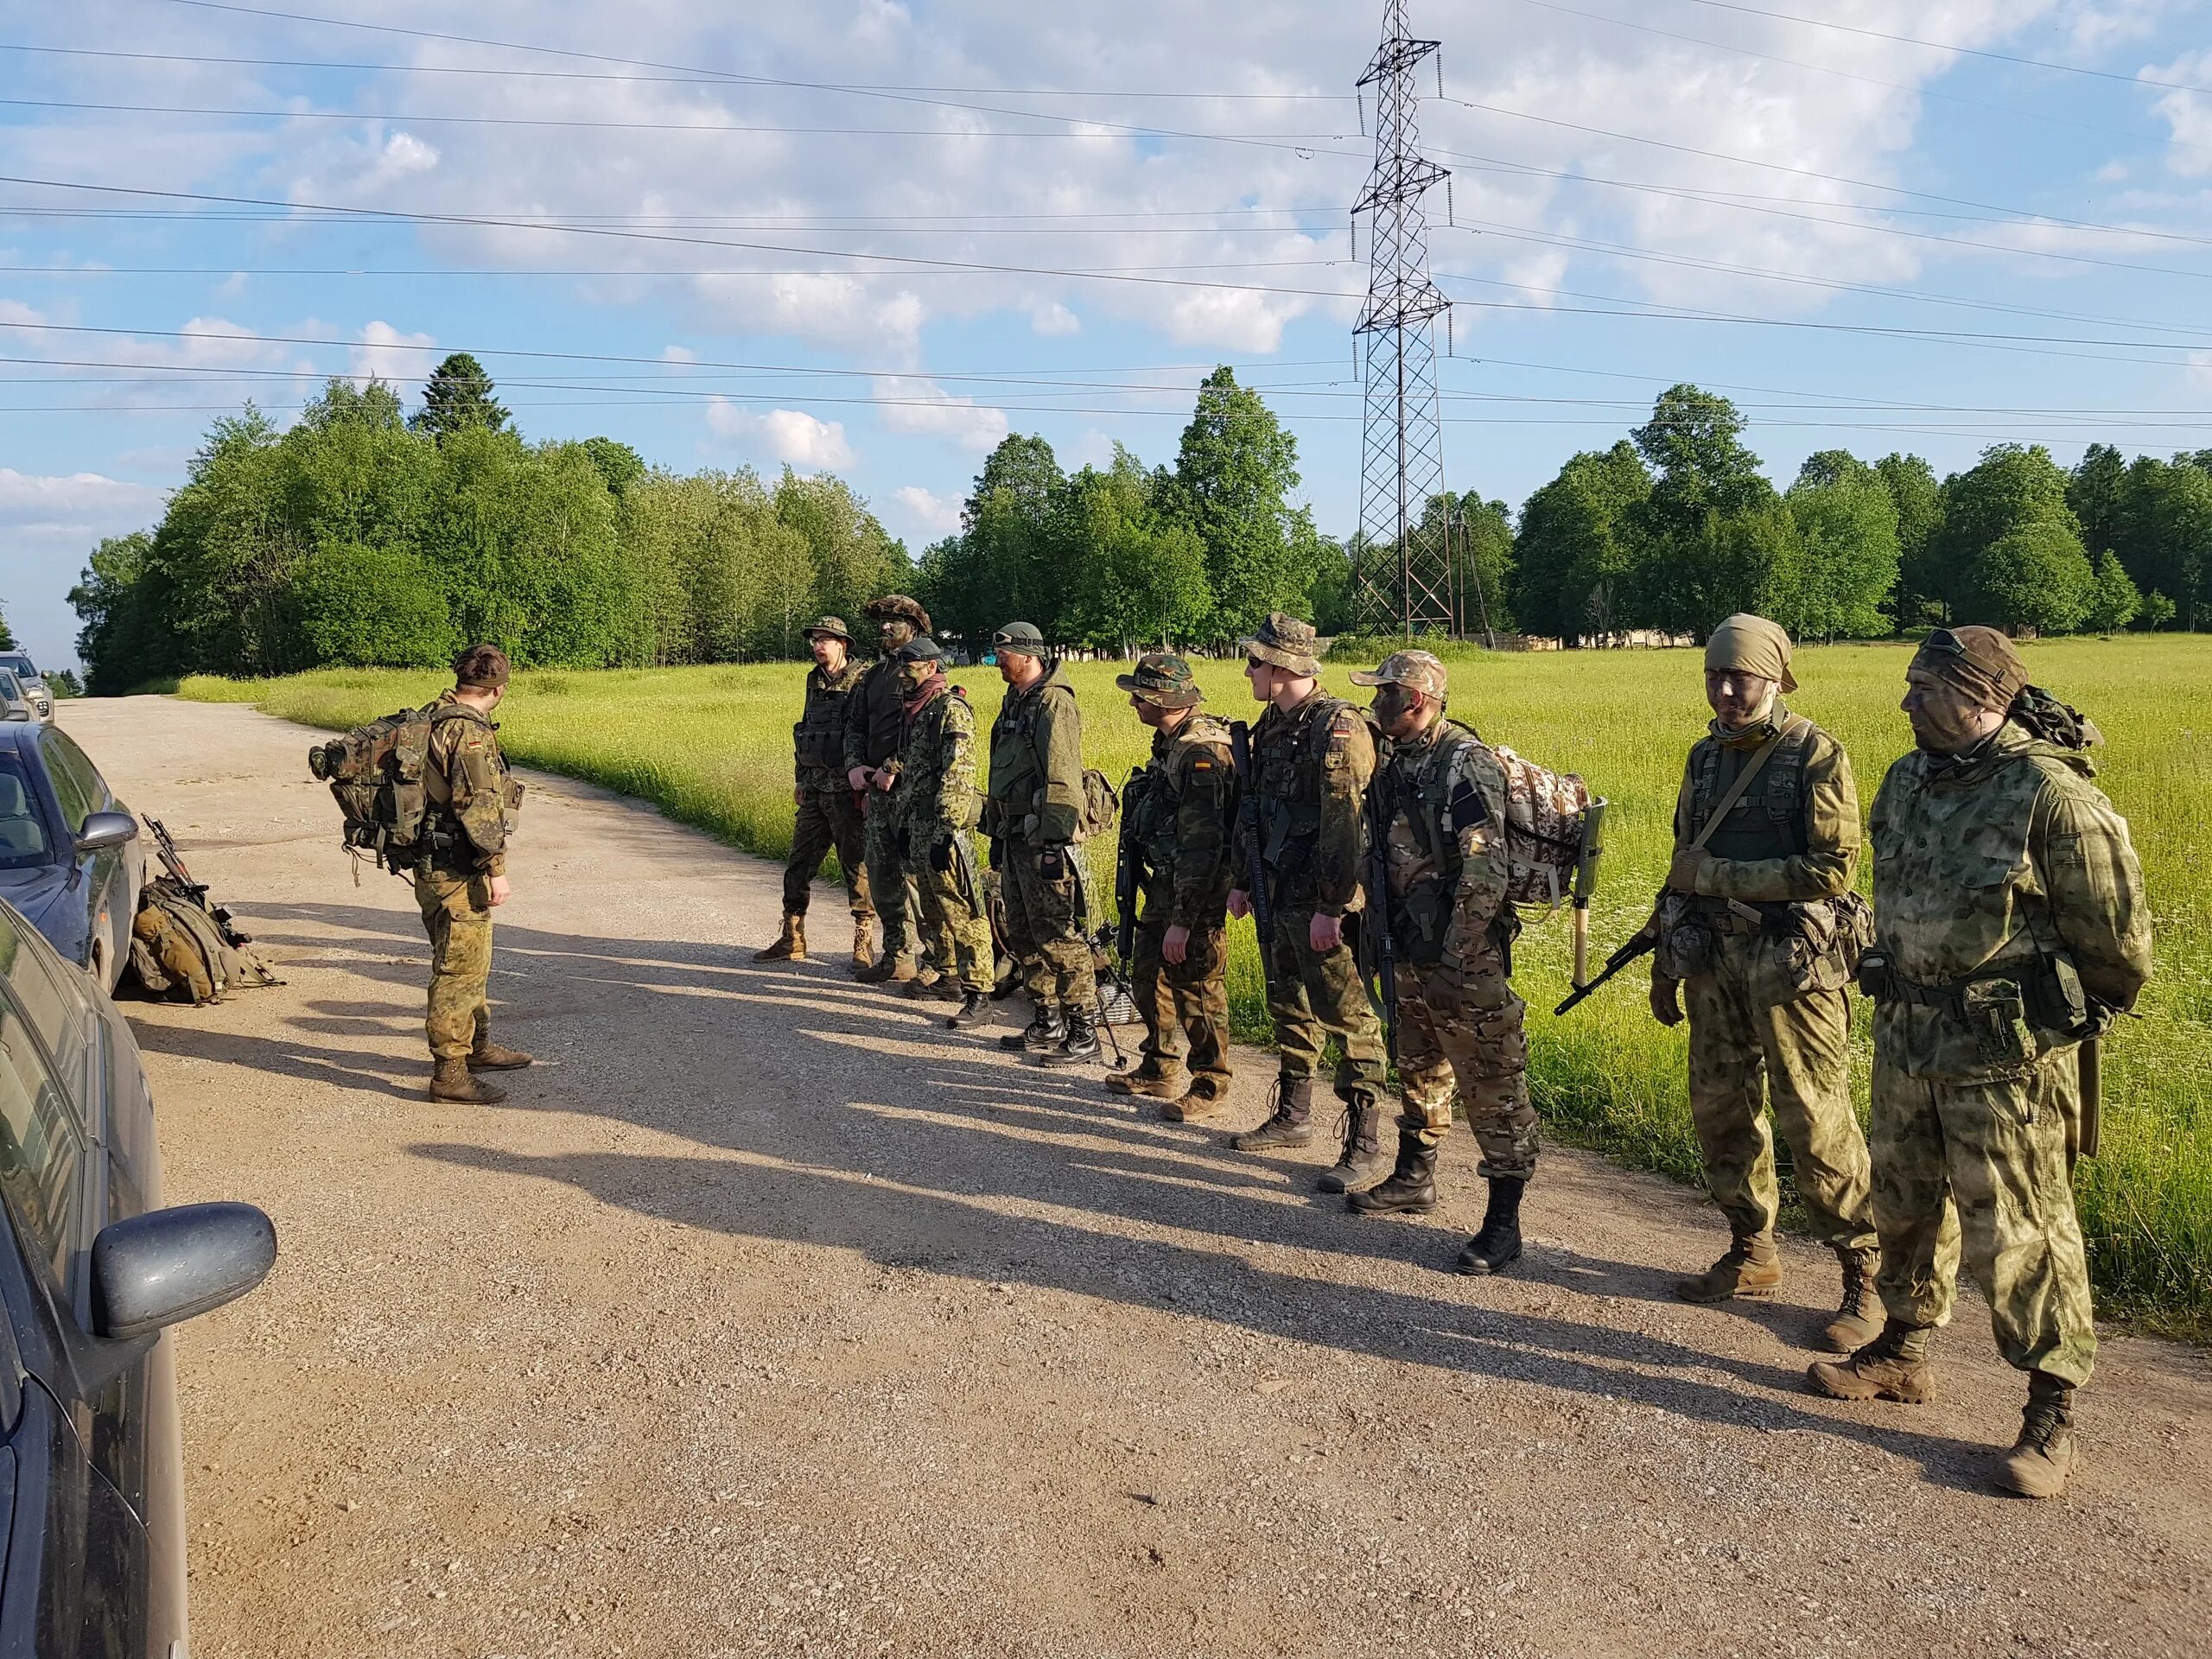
1859	1320
790	945
1894	1366
1752	1269
2044	1456
1410	1189
890	969
1080	1046
1159	1083
452	1080
1048	1030
1498	1245
1207	1096
972	1012
931	986
863	941
1362	1163
1289	1124
488	1056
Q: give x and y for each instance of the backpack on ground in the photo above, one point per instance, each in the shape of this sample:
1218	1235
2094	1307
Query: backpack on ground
181	944
375	774
1546	820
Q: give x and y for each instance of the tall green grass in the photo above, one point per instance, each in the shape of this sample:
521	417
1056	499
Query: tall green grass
711	747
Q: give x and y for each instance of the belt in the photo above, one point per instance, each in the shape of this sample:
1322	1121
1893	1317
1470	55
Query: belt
1730	916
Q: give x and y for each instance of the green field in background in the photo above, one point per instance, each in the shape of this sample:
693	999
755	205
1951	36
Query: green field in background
710	746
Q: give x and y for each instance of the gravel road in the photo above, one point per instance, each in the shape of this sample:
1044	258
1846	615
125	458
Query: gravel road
767	1318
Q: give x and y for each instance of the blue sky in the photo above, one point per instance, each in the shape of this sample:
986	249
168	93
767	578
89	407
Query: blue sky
735	208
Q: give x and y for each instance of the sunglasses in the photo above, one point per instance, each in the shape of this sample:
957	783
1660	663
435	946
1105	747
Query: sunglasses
1251	663
1943	640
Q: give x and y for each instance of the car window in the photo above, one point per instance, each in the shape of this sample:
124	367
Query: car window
54	1007
21	665
24	839
42	1144
68	788
11	688
62	755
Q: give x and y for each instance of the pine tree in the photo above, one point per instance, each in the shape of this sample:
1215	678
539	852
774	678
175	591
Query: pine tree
458	396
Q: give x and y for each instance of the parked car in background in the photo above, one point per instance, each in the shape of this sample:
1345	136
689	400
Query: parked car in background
92	1272
36	692
14	704
70	857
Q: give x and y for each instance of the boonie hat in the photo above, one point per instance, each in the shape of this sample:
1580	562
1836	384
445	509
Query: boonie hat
1418	670
1021	638
1165	678
1287	643
834	626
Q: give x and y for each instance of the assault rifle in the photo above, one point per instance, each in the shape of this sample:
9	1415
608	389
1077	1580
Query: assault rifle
173	867
1379	949
1129	869
1248	830
1641	944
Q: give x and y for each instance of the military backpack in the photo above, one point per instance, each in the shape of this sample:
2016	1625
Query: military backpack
1547	824
375	774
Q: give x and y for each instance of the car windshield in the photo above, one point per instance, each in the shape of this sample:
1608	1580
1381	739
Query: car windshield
19	665
23	841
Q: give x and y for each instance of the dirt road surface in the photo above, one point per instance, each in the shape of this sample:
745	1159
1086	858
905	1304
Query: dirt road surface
769	1318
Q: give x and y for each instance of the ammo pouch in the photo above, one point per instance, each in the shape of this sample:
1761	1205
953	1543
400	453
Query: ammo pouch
1685	948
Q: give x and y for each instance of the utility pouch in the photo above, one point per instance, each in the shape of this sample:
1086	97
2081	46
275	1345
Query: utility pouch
1685	948
2056	1003
1877	976
1996	1013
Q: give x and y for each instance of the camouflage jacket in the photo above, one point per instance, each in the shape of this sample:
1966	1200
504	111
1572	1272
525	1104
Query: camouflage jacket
936	792
1998	877
1179	822
1311	767
467	779
873	709
818	740
1441	798
1036	787
1794	836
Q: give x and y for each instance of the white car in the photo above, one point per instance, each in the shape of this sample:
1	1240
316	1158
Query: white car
37	694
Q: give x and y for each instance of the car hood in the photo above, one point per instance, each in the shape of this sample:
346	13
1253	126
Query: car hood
37	891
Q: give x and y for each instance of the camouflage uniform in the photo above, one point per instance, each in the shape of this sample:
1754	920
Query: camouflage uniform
828	814
875	713
934	805
472	797
1032	811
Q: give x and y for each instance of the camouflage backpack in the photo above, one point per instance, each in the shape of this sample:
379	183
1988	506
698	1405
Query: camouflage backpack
1101	805
1547	817
375	774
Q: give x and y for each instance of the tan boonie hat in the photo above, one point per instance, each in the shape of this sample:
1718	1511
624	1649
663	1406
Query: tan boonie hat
1416	668
1980	662
1751	645
834	626
1165	678
1287	643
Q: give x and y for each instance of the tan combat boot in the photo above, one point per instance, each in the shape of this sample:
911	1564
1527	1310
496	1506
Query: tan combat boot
863	941
1752	1269
2043	1456
1894	1366
1859	1320
488	1056
451	1080
1207	1096
1158	1082
790	945
895	970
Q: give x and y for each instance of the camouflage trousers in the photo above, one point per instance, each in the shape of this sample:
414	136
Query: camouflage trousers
956	936
457	915
1984	1166
1460	1024
1184	1006
828	818
1318	995
1042	931
1794	1056
885	855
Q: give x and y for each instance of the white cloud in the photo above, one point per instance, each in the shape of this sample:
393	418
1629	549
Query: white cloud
791	436
49	527
2200	371
396	359
75	503
928	512
2188	115
1053	318
678	355
915	404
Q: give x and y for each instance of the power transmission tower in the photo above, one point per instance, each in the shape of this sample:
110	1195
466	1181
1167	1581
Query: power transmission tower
1405	567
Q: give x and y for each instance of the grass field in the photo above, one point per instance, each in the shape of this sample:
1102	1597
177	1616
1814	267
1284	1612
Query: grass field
711	747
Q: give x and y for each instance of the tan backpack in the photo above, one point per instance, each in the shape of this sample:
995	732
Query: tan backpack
1547	817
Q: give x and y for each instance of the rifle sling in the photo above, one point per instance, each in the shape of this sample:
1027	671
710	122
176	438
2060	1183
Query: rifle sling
1744	781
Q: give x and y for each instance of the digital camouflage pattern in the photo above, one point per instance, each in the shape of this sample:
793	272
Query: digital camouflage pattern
1459	1023
1988	867
935	804
875	712
1181	822
828	816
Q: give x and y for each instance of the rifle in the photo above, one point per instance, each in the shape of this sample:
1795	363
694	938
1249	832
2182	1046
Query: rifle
1380	947
1129	869
173	862
1645	941
1247	831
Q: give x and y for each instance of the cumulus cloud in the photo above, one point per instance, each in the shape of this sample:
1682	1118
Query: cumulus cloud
2188	115
930	513
790	435
916	404
76	504
388	355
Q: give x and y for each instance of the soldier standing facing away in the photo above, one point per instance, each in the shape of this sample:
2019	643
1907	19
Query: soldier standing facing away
935	805
829	807
875	719
1761	882
2010	928
462	876
1440	800
1179	824
1311	761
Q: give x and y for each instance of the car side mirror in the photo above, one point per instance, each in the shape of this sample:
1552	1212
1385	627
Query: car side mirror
167	1266
104	830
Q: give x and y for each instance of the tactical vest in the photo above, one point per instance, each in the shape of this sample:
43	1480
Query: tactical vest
819	737
1770	821
883	712
1018	779
1416	785
1159	803
1289	788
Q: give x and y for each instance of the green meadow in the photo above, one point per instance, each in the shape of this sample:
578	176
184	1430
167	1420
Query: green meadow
709	746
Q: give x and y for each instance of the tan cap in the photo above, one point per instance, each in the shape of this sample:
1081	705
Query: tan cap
1979	661
1416	669
1287	643
1751	645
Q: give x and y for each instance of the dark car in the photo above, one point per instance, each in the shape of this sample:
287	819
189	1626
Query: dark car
69	853
92	1273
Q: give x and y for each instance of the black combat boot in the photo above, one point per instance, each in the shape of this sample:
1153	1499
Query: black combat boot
1411	1188
1048	1030
1497	1246
973	1011
2044	1456
1362	1163
1291	1122
1080	1046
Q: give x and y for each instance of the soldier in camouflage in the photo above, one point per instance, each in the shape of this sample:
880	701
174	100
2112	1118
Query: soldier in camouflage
1177	815
828	807
1033	814
1311	759
462	876
935	804
875	720
2011	926
1440	800
1766	886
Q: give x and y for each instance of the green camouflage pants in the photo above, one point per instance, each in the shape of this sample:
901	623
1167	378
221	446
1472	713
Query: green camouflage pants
457	915
1042	931
1794	1056
1984	1165
827	817
1459	1023
955	935
1184	1006
887	876
1317	995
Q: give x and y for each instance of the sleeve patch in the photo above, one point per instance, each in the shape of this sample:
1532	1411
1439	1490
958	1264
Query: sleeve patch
1467	806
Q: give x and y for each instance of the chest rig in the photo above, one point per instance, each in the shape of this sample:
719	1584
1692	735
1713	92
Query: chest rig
819	737
1422	810
1291	756
1770	821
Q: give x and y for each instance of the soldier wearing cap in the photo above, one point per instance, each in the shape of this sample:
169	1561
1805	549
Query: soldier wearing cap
874	721
1762	899
1311	761
828	809
1440	801
1176	817
2010	928
934	804
1033	814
